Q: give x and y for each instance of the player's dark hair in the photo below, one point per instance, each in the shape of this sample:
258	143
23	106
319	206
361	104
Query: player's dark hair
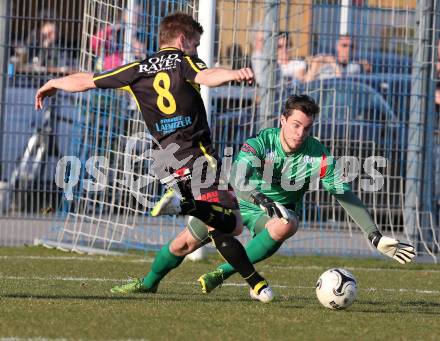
178	23
304	103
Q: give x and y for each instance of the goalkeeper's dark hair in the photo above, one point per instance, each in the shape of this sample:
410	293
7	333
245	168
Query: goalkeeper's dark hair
304	103
178	23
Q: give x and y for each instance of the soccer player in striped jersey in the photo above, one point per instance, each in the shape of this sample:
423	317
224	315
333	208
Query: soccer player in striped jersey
166	87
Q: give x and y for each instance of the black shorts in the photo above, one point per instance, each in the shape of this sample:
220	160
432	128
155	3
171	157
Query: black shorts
200	178
216	191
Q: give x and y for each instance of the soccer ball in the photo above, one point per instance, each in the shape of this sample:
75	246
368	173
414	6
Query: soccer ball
336	289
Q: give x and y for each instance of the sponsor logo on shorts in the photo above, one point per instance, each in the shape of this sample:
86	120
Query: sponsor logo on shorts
210	197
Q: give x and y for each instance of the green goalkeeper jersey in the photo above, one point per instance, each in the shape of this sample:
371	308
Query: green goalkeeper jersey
263	166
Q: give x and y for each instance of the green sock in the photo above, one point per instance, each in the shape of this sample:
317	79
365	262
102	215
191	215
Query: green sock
164	262
258	248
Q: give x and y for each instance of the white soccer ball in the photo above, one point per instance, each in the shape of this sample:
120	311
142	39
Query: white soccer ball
336	289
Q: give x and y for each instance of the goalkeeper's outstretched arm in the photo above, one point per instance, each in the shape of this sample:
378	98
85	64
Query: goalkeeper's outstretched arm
401	252
77	82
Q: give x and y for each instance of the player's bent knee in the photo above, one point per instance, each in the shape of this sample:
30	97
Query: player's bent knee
280	231
292	228
289	229
183	248
184	244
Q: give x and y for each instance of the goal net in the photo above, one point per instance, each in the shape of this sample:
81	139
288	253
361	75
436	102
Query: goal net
110	187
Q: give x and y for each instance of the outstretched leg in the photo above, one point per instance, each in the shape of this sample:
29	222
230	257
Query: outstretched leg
222	218
168	258
221	222
271	233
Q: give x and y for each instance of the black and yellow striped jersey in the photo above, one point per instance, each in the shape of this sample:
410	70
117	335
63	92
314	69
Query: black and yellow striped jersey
169	100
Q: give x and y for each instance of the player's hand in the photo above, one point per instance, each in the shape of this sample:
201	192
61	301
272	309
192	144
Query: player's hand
244	75
272	208
46	90
401	252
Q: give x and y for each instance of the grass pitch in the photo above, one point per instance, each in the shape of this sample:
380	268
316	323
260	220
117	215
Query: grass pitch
54	295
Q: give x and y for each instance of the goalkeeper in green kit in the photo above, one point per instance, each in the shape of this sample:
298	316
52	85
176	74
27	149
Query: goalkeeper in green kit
270	176
280	164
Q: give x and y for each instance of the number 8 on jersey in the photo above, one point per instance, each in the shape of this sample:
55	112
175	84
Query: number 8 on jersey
164	93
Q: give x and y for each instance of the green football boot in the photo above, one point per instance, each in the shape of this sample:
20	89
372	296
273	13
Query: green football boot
211	280
133	287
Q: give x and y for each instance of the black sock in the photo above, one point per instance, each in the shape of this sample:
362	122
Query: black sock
222	219
234	253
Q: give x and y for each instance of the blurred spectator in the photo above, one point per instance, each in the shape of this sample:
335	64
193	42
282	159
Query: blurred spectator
234	57
287	68
438	59
340	65
108	43
437	84
257	56
437	98
293	69
42	50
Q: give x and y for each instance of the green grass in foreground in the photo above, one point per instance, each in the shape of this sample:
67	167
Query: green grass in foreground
53	295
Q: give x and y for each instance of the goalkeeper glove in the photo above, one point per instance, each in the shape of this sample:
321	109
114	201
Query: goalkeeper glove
401	252
272	208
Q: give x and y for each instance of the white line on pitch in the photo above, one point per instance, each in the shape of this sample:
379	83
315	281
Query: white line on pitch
55	339
58	278
353	268
31	339
263	266
94	279
81	259
433	292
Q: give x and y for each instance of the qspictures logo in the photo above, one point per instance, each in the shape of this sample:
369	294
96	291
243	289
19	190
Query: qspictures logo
163	165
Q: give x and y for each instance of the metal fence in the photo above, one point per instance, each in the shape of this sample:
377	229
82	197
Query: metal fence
371	66
38	40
